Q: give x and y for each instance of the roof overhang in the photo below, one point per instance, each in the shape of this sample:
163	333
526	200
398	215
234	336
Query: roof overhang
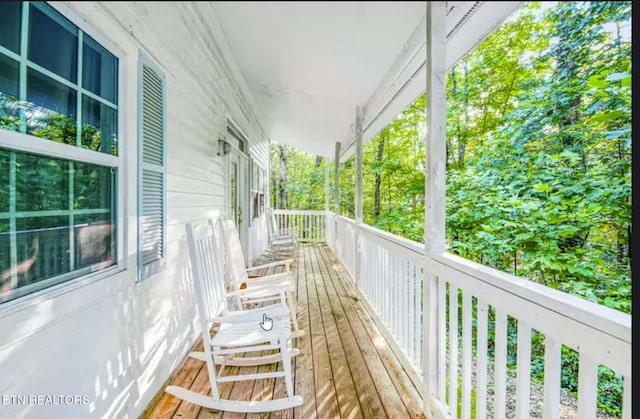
309	65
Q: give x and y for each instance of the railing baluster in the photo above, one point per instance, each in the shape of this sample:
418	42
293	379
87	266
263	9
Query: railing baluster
587	387
441	337
500	364
626	399
402	322
524	370
389	287
412	320
453	350
376	253
403	303
396	290
385	285
552	369
466	355
417	312
381	293
481	378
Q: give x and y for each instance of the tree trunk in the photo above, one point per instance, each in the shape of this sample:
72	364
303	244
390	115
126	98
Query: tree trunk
462	140
376	185
313	184
454	91
567	69
282	190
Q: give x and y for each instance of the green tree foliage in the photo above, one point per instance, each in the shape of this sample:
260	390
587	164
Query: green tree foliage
396	157
304	188
547	193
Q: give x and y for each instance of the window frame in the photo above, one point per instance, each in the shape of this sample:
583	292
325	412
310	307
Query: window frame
149	270
17	141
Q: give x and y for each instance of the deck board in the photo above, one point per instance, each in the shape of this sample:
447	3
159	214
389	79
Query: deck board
345	369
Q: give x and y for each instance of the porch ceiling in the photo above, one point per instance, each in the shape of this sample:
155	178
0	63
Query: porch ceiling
309	64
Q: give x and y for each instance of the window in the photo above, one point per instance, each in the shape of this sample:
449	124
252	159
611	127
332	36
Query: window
151	210
257	189
235	138
58	183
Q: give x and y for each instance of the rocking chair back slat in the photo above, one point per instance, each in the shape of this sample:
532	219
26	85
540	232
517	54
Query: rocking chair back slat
238	271
205	291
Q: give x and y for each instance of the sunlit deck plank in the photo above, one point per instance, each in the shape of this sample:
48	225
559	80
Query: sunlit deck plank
378	357
369	400
326	397
348	402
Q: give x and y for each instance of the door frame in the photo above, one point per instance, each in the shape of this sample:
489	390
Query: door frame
239	157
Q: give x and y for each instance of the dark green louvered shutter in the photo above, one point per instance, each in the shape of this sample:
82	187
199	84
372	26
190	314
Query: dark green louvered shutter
151	212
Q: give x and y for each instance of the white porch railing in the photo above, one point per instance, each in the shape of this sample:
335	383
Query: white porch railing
469	295
309	226
344	245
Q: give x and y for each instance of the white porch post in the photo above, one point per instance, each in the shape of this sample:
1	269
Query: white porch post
326	201
336	191
435	172
326	185
336	180
358	197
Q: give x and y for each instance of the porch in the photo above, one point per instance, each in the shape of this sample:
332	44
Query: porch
395	328
361	297
346	368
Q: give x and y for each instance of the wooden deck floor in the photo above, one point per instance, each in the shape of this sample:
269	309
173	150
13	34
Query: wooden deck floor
345	369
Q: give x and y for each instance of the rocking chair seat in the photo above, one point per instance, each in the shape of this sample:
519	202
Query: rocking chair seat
246	334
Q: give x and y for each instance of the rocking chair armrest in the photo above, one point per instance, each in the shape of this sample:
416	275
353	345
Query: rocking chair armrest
250	292
254	315
286	262
269	278
284	236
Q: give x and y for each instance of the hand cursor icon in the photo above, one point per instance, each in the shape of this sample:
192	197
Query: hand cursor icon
267	323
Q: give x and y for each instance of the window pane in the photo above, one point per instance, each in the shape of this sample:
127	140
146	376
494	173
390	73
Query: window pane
4	182
9	108
5	257
10	12
98	126
94	240
99	70
42	184
61	233
53	42
92	187
43	248
9	72
51	112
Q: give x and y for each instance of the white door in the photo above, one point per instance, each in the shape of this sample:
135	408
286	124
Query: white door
238	196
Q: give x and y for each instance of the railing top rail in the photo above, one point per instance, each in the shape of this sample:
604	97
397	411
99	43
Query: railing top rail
345	219
410	245
300	212
602	318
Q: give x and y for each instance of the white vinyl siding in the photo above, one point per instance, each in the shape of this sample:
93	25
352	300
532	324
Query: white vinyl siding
151	217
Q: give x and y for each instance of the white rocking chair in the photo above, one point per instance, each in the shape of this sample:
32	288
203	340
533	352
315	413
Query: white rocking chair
239	273
270	293
282	241
239	332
